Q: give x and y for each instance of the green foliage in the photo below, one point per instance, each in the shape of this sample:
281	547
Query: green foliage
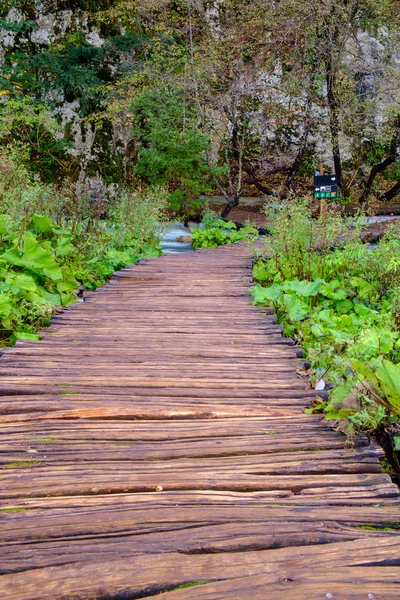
172	148
340	302
219	84
75	70
21	195
37	138
386	380
218	232
36	80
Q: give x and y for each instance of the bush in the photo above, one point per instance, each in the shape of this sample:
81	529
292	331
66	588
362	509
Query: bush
217	232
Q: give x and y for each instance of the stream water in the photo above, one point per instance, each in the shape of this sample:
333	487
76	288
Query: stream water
169	236
381	218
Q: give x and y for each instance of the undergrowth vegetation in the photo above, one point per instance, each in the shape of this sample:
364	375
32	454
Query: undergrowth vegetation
52	246
340	299
217	232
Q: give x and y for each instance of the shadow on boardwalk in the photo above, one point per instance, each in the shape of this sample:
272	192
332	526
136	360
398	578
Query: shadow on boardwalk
156	439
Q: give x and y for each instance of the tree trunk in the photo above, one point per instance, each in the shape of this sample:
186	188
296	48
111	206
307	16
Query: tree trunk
232	203
252	180
334	121
304	138
299	157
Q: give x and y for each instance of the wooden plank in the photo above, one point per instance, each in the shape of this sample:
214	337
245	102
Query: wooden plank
147	576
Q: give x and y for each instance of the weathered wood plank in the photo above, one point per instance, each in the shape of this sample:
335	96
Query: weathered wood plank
145	575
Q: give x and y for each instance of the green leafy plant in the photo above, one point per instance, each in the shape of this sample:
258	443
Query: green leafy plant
338	299
219	232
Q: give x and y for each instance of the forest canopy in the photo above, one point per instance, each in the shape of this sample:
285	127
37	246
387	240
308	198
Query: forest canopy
225	97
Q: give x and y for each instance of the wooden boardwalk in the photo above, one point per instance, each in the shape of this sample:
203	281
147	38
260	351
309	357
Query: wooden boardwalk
154	444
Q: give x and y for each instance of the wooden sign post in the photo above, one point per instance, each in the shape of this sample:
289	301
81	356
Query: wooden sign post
323	208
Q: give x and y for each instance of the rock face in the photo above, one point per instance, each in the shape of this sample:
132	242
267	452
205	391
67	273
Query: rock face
49	25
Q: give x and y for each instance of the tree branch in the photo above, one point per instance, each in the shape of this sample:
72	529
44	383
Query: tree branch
382	166
252	179
390	194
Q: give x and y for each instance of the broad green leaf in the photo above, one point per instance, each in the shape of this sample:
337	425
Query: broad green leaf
375	341
327	316
260	271
339	393
388	375
347	321
333	415
264	295
4	224
296	309
64	246
318	331
67	286
36	299
227	225
343	306
5	305
364	311
44	223
22	335
340	336
22	281
34	257
50	298
333	290
363	287
362	368
304	288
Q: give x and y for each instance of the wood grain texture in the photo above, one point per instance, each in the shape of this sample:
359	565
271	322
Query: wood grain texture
154	444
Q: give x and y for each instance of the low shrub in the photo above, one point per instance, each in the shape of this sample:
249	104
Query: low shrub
217	232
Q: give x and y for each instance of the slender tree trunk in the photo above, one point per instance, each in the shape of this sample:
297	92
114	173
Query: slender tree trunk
231	204
334	121
252	180
379	168
299	157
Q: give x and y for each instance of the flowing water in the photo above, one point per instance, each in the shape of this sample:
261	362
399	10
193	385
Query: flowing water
169	236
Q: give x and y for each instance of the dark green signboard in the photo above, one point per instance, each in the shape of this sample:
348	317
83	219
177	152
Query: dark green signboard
325	186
